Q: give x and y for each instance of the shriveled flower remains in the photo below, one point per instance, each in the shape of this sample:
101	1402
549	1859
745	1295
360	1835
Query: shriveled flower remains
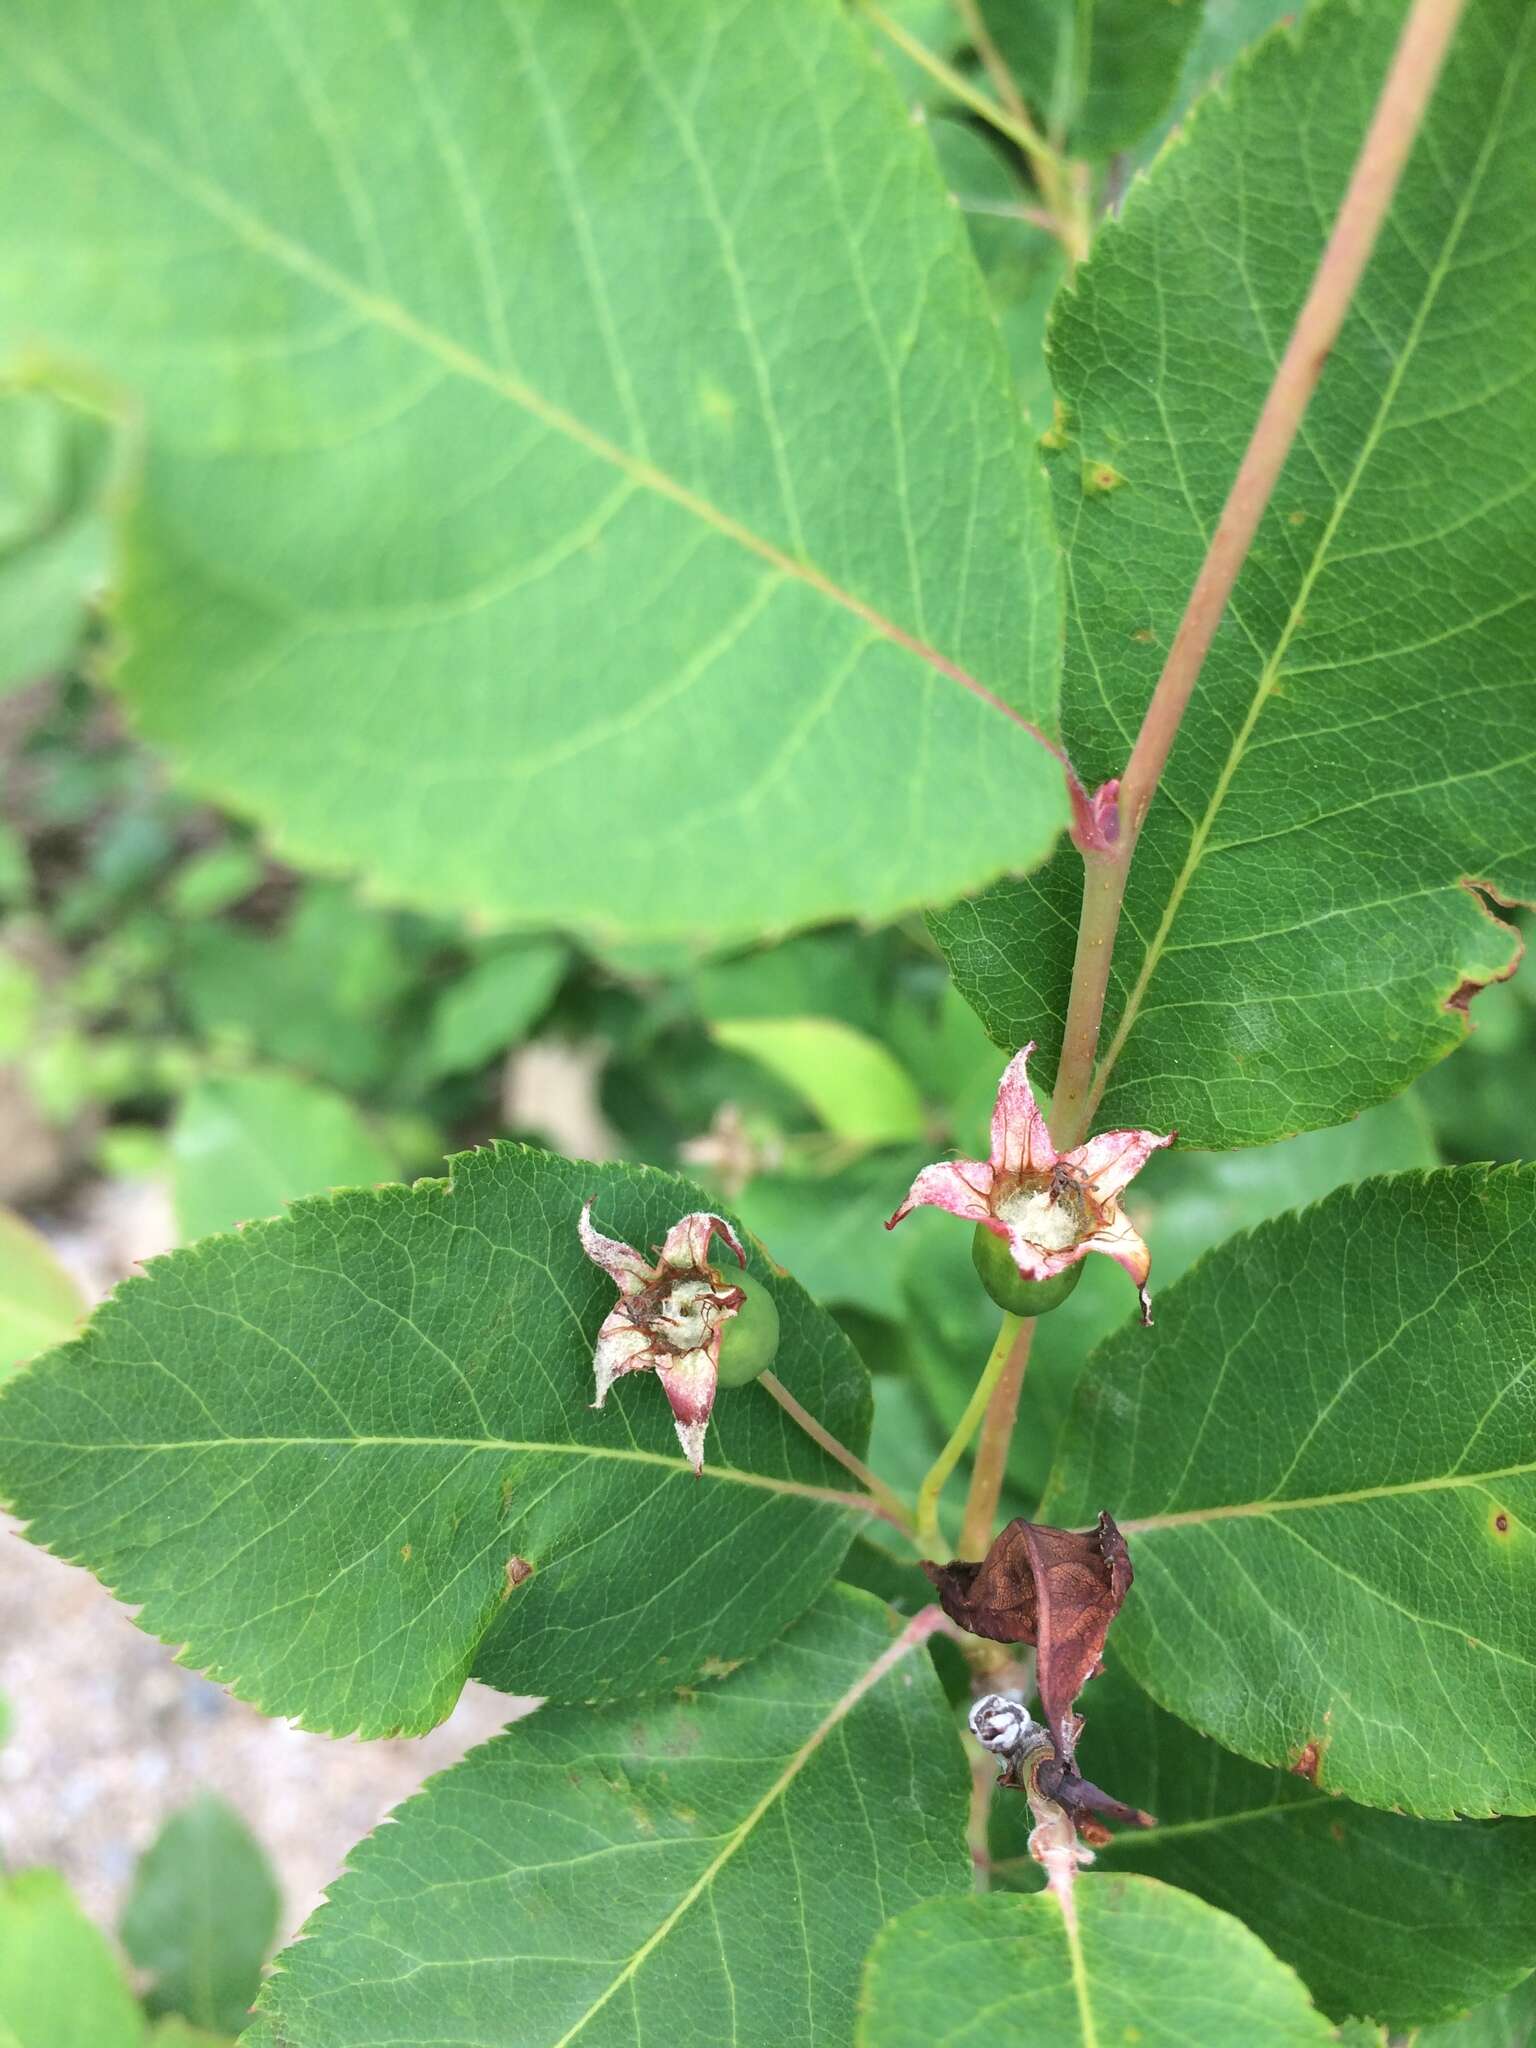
1050	1208
668	1319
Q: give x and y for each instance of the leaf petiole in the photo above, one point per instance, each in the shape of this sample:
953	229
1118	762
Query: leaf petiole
883	1501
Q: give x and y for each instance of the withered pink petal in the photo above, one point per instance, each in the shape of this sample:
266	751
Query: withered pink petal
1021	1144
621	1262
621	1348
1118	1238
1112	1160
962	1186
689	1380
686	1249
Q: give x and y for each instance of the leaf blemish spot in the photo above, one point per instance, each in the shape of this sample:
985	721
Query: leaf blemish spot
1055	435
1501	1522
518	1569
719	1667
716	404
1309	1762
1099	477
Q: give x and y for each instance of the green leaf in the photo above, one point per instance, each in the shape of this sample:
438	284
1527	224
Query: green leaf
54	460
951	1058
842	972
903	1443
60	1985
312	1452
709	1869
1297	941
1146	1964
933	23
21	1001
175	2033
1227	28
243	1145
695	623
215	880
1321	1458
493	1005
829	1229
1184	1203
39	1302
202	1915
1022	262
322	994
856	1087
1506	2023
1100	71
1407	1920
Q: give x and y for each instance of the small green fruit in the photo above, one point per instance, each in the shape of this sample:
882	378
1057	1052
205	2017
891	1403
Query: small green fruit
1006	1284
749	1338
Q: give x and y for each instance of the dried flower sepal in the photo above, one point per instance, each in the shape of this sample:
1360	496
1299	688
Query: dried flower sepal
1056	1588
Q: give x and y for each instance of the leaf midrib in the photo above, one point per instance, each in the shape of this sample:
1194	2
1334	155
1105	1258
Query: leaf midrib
765	1482
865	1683
1239	1510
1177	1830
383	311
1270	670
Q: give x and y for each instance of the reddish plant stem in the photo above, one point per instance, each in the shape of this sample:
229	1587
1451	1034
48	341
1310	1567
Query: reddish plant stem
991	1461
882	1501
1400	106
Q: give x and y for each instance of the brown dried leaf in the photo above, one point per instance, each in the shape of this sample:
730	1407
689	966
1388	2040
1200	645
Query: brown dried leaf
1056	1588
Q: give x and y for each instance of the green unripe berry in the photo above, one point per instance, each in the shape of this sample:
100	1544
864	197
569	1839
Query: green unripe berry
749	1339
1006	1284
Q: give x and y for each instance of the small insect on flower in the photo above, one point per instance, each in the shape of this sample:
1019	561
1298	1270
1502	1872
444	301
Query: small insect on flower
682	1319
1039	1212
